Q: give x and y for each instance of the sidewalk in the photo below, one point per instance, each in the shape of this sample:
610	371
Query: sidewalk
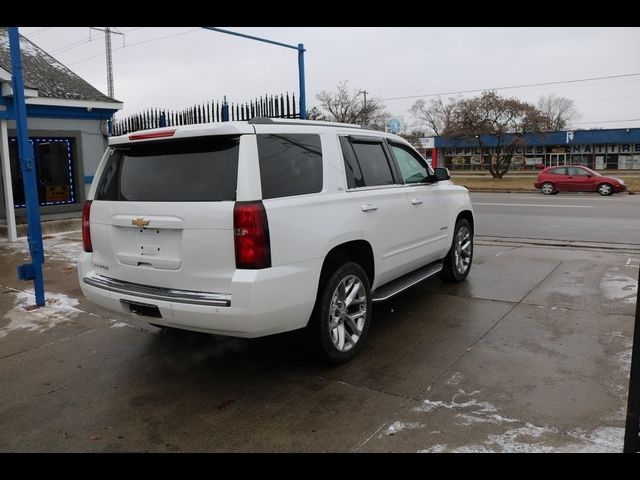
530	354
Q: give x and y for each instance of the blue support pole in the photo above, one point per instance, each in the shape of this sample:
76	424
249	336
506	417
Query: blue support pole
225	110
31	270
303	95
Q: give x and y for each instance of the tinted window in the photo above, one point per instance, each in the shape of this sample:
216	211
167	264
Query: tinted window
195	169
354	174
412	168
366	163
290	164
558	171
373	163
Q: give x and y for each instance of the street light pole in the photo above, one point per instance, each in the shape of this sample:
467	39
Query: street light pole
299	48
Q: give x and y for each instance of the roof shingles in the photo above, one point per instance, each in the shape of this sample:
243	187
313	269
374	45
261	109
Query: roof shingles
44	73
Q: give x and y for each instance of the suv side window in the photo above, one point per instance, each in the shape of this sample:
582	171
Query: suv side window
366	162
290	164
413	168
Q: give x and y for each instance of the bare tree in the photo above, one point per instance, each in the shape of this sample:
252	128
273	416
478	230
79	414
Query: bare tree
558	111
433	113
412	136
352	106
497	125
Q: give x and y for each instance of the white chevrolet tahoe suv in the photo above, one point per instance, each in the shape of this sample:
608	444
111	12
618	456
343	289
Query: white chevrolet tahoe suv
254	228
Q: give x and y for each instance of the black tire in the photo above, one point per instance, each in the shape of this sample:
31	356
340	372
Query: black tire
320	336
605	189
547	188
450	272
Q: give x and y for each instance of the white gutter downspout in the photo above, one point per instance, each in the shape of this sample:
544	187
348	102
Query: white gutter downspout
12	234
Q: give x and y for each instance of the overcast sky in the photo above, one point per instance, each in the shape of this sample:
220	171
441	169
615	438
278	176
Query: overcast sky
193	65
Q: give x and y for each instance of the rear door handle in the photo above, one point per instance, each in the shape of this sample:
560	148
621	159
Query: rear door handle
416	201
367	207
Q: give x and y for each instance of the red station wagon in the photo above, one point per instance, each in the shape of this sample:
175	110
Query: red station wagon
576	178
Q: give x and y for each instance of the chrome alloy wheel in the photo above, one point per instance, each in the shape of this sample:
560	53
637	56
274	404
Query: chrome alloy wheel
348	313
604	189
547	189
462	250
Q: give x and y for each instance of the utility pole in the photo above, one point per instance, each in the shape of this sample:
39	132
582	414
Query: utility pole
364	106
107	46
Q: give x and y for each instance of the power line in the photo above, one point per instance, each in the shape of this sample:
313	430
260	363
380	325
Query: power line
74	44
137	43
513	86
133	29
78	43
162	38
609	121
39	31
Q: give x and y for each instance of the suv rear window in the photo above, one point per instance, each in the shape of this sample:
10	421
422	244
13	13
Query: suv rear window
290	164
187	170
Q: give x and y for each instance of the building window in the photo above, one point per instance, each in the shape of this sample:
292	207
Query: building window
54	171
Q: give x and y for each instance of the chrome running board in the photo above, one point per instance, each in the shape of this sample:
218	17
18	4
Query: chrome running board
400	284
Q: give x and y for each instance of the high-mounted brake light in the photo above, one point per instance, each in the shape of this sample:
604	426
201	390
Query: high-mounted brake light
158	134
86	231
251	235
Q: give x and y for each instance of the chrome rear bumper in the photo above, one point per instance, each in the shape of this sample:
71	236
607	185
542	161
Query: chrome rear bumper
158	293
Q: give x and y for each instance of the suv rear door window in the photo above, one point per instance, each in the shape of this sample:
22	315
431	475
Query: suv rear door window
290	164
184	170
366	162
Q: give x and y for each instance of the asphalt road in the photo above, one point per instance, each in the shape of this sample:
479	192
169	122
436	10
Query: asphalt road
566	216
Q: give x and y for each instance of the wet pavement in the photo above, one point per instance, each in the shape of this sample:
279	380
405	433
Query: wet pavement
531	354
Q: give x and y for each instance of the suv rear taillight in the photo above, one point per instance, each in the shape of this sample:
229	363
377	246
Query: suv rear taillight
86	231
251	234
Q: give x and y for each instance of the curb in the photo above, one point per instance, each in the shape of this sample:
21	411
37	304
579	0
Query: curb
477	190
613	247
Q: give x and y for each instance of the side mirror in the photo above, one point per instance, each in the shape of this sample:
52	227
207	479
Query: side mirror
441	173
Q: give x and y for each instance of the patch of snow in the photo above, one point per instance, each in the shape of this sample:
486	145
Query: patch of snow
484	407
398	426
454	379
618	287
616	334
58	309
523	436
519	439
63	247
118	324
605	439
472	449
434	449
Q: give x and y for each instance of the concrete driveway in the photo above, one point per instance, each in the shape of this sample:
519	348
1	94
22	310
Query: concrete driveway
530	354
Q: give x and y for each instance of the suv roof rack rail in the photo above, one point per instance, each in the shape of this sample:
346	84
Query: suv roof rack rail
290	121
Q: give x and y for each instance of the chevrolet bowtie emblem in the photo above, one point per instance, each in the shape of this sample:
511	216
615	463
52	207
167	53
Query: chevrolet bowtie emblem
139	222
